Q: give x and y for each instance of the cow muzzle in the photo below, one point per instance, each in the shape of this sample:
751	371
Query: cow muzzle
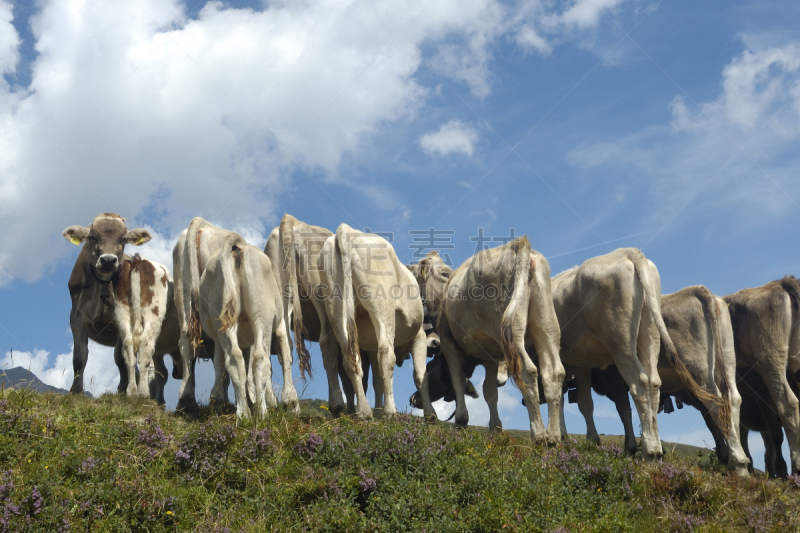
433	344
106	265
416	400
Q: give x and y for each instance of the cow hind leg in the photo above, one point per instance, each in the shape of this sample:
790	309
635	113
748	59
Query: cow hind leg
453	354
261	372
289	396
147	373
128	349
333	362
347	388
419	352
617	391
786	404
219	391
490	394
386	362
186	396
583	380
648	345
235	367
158	380
354	372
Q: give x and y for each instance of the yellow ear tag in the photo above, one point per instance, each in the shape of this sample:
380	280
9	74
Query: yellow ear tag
74	240
139	241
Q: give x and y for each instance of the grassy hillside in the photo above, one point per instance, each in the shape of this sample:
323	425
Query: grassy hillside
117	464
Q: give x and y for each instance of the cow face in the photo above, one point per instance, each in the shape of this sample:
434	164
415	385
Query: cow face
439	383
105	241
433	344
432	275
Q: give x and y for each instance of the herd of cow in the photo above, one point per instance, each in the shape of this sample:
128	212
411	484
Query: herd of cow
603	325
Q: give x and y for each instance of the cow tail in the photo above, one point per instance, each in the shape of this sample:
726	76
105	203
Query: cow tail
231	257
343	248
510	325
791	285
712	311
290	252
137	326
653	302
192	247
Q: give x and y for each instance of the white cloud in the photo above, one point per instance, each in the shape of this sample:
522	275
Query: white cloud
529	38
739	146
754	84
9	39
101	374
134	109
587	13
454	137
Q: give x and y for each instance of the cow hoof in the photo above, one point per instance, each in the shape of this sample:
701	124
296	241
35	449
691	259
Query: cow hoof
461	423
431	418
292	407
363	415
223	407
653	456
498	428
416	400
336	410
187	407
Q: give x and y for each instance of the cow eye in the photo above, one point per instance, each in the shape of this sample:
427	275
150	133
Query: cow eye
93	237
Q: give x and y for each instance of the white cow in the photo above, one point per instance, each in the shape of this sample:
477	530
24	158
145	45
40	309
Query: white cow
241	306
190	255
372	303
487	312
143	292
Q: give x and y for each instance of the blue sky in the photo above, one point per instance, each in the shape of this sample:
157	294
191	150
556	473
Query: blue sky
587	125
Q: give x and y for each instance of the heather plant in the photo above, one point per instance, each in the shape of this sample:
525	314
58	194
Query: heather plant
123	464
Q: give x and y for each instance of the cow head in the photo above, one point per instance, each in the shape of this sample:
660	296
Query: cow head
439	383
105	239
432	275
433	344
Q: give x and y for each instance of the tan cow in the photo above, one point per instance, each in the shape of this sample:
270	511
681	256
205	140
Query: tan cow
241	306
143	293
700	328
766	331
190	255
372	303
91	284
486	312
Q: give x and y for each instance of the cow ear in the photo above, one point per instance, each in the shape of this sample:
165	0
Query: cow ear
422	268
76	234
138	237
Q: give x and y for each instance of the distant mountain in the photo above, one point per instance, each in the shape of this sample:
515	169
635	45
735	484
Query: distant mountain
22	378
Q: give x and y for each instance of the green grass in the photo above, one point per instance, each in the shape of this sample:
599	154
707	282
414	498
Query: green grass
72	463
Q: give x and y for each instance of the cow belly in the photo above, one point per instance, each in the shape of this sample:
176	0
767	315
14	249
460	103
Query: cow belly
105	334
245	334
367	339
479	344
588	352
670	381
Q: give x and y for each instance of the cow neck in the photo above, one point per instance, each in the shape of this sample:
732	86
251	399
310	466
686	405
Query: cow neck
104	292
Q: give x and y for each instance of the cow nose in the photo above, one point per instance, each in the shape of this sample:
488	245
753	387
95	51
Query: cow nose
433	343
416	400
107	262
